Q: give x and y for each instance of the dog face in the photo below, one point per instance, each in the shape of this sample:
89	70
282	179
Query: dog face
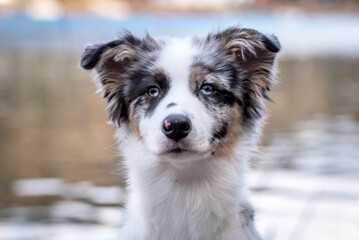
191	97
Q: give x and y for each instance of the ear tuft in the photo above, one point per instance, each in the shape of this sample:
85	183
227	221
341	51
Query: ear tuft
92	55
271	43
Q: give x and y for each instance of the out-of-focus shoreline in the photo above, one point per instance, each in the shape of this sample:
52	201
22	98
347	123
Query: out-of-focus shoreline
301	34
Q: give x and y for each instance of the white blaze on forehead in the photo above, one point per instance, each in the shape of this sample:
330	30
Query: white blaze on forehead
176	58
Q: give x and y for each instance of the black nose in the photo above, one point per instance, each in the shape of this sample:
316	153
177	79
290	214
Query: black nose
176	127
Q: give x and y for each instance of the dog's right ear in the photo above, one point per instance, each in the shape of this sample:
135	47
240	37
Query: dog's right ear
110	61
114	55
92	54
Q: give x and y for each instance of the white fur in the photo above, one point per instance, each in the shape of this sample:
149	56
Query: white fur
192	198
203	199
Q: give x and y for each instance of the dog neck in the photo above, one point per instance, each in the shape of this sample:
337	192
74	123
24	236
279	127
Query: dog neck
180	200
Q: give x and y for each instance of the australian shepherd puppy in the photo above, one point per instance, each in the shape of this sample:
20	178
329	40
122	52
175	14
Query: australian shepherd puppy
188	112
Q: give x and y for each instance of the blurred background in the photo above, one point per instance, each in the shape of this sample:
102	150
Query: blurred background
59	176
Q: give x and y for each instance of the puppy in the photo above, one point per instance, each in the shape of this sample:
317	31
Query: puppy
189	112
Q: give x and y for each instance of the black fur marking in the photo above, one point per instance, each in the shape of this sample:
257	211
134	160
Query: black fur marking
222	132
225	97
221	97
118	111
251	109
93	53
171	105
248	215
140	82
152	104
109	96
271	43
234	78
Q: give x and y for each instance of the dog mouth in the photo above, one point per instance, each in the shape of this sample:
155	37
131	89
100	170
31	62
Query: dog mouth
181	149
177	150
182	152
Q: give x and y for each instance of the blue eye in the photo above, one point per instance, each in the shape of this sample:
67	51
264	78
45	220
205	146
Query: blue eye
207	89
153	91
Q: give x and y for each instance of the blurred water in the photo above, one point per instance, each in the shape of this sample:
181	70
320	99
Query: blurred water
301	34
57	154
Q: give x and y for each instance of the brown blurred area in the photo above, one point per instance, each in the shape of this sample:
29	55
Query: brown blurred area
53	125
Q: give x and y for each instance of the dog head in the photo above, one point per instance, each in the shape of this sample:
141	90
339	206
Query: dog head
186	97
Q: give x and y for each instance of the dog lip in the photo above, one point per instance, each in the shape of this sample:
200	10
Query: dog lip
177	150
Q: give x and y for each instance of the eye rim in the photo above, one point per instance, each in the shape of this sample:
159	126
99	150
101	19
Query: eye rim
207	85
151	94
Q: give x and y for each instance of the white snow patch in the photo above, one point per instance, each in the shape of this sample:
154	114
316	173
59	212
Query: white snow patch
73	210
107	195
80	190
38	187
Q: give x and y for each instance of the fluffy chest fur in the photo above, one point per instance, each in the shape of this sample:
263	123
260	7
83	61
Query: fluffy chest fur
188	113
202	200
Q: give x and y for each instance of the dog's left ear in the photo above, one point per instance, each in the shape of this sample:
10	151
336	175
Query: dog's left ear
254	55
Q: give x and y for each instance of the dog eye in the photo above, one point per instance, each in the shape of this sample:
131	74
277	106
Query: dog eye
207	89
153	91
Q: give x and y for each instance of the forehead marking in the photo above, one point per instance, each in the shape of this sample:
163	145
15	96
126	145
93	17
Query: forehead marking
176	59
